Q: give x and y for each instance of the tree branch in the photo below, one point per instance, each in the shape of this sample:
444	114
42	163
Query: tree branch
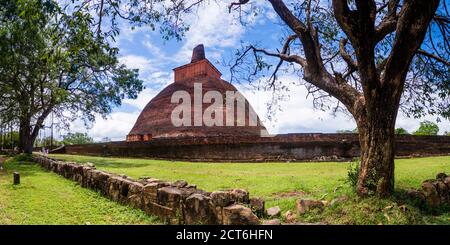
314	71
389	22
432	56
412	26
359	26
346	56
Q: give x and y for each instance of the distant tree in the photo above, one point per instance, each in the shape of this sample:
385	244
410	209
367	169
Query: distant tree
446	133
47	142
346	131
9	140
77	139
427	128
106	139
52	61
400	131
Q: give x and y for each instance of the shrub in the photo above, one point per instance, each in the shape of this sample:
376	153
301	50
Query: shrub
353	173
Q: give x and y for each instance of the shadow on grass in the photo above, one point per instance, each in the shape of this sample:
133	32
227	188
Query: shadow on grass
401	197
22	164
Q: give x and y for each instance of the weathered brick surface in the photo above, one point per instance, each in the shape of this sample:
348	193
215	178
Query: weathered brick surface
199	210
173	203
286	147
155	119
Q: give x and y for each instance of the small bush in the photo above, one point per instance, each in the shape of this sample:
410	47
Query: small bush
353	173
23	158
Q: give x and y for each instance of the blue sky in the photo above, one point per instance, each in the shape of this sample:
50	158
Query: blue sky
221	34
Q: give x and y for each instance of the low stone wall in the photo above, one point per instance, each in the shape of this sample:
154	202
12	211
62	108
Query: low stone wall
173	203
286	147
435	192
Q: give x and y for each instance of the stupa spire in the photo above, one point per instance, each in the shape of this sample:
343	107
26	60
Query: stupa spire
198	53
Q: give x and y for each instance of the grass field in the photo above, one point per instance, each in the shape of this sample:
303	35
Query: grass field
283	183
46	198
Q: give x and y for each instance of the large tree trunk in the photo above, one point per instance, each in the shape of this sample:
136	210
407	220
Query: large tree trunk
27	133
377	141
25	140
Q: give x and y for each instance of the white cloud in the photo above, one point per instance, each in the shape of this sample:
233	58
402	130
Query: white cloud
214	27
144	97
116	126
297	113
299	116
150	70
137	62
153	49
128	34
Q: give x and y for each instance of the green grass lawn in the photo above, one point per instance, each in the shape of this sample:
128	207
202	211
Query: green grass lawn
47	198
283	183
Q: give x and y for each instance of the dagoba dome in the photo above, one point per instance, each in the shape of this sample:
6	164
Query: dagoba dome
156	120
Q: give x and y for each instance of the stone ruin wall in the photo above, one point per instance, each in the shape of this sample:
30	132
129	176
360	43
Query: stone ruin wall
174	203
433	192
287	147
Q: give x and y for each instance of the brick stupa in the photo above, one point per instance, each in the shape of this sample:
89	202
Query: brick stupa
155	120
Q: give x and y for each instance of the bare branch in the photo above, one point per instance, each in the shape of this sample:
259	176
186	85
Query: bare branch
432	56
238	4
411	29
289	58
389	22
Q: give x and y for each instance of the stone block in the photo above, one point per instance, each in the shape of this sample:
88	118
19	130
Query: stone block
431	195
304	205
274	211
290	217
59	168
151	191
239	196
169	196
441	176
272	222
180	183
441	188
78	174
165	214
186	192
221	198
237	214
135	195
124	189
415	194
197	210
218	212
86	176
71	169
114	187
257	206
99	180
447	181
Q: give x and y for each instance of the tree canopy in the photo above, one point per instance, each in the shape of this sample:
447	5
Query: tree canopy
427	128
53	62
400	131
77	139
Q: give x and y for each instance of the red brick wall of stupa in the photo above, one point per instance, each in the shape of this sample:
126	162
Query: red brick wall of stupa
199	68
